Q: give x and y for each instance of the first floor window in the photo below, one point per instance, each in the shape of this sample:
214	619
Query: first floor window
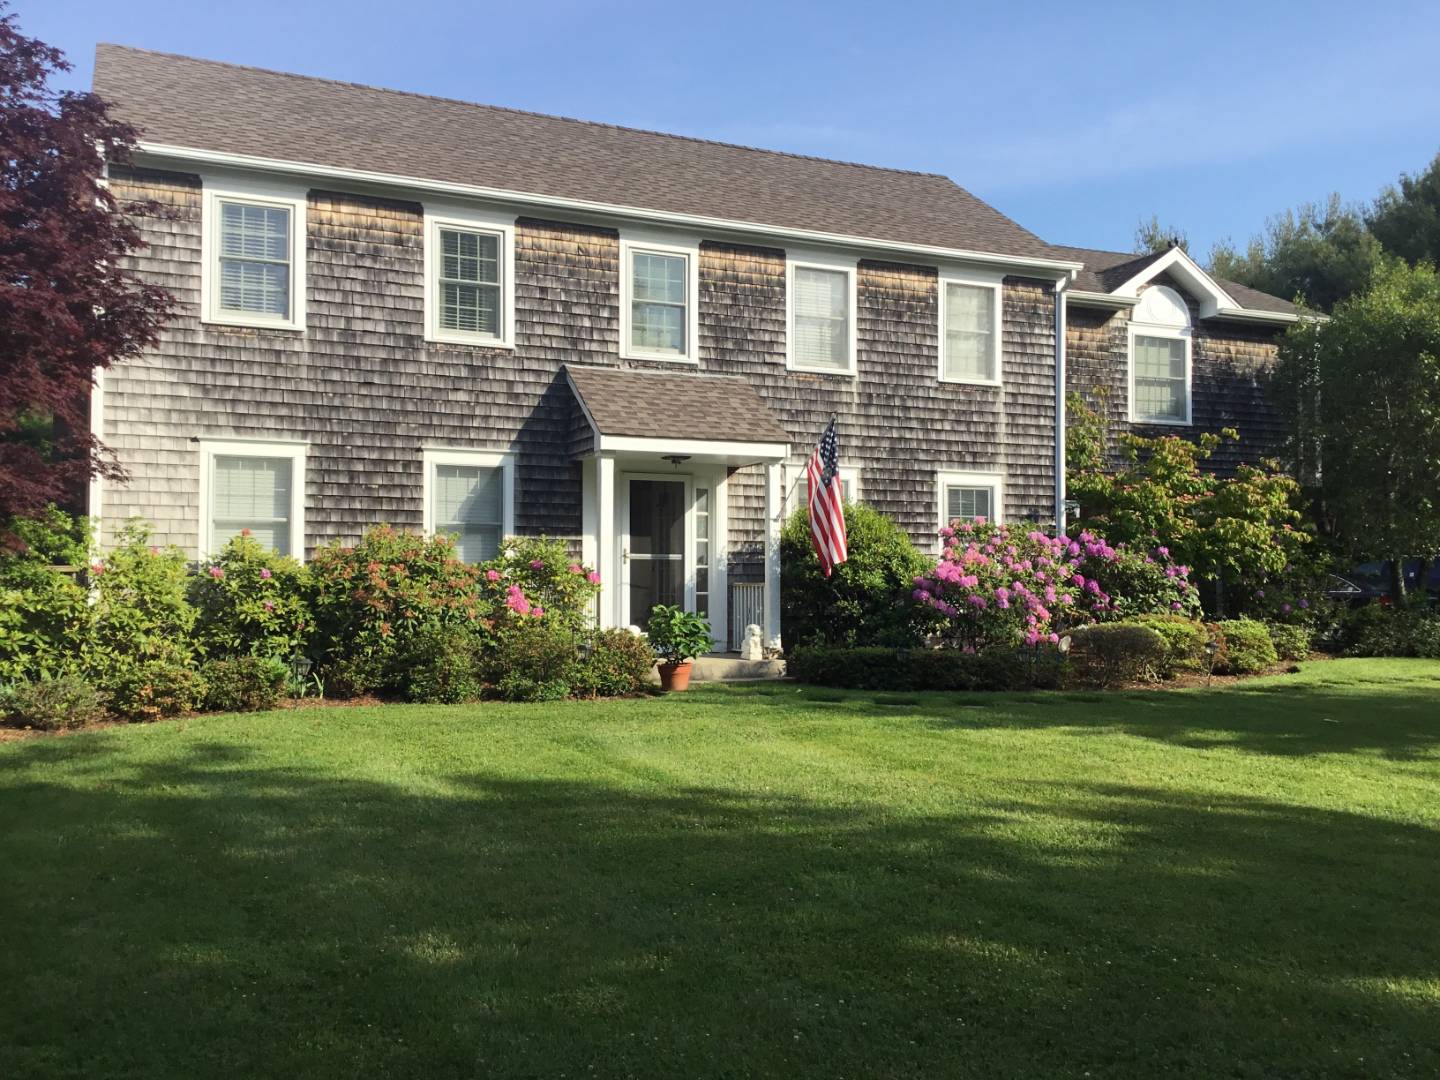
1162	383
820	319
468	502
253	494
969	497
970	339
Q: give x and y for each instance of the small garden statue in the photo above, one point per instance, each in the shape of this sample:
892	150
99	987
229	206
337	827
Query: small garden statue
752	648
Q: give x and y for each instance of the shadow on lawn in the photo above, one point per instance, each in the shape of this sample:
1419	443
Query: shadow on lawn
1283	715
211	917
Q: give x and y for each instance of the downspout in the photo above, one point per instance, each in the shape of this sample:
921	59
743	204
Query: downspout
1060	306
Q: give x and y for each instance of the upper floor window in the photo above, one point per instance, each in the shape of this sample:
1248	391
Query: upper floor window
469	270
969	330
658	283
256	489
469	494
1160	391
253	256
822	317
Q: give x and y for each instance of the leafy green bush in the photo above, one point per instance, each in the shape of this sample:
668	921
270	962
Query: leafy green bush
243	683
45	615
1138	583
548	578
877	668
618	663
514	686
1185	641
251	601
1248	647
1381	630
677	635
532	659
66	701
866	600
1107	654
153	688
371	597
442	666
1291	640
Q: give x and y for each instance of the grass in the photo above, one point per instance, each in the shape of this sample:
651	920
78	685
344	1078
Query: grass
757	881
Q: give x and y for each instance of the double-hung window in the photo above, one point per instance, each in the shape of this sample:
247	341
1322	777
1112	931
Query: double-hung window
253	256
970	497
469	495
1160	358
469	277
658	314
821	302
255	489
969	330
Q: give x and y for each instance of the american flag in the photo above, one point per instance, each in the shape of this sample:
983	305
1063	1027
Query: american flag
827	513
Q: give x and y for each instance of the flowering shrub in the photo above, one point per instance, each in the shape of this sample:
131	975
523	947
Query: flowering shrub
251	602
998	588
45	615
535	576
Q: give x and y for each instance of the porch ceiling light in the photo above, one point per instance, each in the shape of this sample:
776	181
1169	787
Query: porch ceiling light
675	459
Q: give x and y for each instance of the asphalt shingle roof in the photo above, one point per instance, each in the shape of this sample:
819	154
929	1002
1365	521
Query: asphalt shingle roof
225	108
662	405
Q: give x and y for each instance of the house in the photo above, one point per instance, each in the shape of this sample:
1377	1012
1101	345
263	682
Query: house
469	319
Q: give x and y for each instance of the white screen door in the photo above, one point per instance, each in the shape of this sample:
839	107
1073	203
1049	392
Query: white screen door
654	552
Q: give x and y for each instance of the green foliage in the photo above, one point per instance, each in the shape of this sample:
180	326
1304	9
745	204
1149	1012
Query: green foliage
142	622
251	601
1381	630
549	579
1143	584
50	704
153	688
45	614
1406	219
618	663
1154	238
513	686
1107	654
1185	641
1247	531
1248	647
866	600
532	659
442	666
676	634
371	597
243	683
877	668
1363	393
1318	254
1291	641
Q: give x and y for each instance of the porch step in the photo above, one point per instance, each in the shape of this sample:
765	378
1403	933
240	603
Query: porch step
723	668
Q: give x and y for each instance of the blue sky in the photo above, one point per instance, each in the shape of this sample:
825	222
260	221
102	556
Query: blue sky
1075	119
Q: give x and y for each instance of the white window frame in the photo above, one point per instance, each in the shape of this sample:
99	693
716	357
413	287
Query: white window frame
820	261
795	484
295	452
485	459
993	480
975	279
293	198
469	219
1168	331
630	245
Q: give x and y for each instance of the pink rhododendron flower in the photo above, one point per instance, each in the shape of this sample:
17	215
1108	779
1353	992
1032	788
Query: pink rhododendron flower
492	575
576	568
537	564
537	612
217	572
516	602
593	577
269	605
265	574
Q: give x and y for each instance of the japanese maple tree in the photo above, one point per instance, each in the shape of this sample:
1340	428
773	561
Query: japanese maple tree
69	302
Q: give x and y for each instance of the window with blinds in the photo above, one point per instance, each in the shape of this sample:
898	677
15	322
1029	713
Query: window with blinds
1162	386
251	493
468	503
820	319
469	283
970	339
969	503
254	259
658	303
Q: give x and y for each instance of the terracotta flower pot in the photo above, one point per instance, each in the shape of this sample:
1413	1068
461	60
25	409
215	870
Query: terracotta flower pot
675	676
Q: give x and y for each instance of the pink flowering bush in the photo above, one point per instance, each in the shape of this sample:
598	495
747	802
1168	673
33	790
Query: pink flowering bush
535	577
251	601
998	588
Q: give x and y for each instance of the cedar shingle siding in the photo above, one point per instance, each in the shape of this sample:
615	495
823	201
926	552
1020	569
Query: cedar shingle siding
365	390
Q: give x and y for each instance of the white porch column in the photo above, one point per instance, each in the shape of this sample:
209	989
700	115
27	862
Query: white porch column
608	552
774	516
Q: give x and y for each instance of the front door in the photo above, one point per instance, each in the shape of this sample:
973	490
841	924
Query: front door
653	557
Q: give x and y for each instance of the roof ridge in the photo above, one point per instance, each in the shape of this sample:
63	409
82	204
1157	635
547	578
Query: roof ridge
528	112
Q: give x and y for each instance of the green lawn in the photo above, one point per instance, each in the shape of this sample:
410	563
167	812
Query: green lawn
764	881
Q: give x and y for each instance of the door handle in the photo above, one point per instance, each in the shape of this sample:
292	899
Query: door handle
625	555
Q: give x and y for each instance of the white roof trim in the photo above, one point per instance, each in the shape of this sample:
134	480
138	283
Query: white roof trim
1212	297
636	213
1100	299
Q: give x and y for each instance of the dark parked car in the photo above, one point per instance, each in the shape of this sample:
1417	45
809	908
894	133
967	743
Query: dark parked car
1370	582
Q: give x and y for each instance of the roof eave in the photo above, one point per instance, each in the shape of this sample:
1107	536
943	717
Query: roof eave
1084	298
149	152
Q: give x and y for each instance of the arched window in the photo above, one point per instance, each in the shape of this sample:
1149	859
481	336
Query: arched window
1160	358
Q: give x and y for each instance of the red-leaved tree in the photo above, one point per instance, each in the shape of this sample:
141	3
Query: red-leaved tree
68	304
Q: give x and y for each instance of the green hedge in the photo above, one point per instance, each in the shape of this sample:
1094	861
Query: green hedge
876	668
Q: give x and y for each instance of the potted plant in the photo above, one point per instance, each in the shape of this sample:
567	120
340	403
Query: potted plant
676	637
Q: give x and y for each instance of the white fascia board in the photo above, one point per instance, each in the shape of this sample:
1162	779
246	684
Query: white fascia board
391	181
1212	297
1081	298
1256	315
704	449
